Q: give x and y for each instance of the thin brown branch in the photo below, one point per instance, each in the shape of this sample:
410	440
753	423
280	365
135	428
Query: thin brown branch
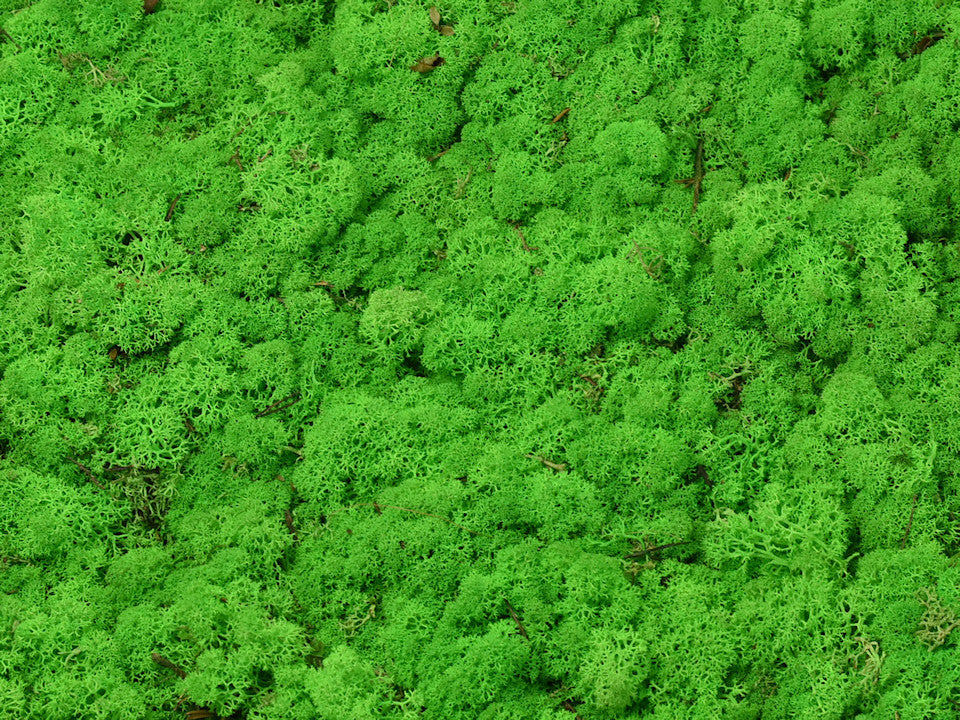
641	553
697	178
278	406
161	660
923	44
172	206
651	270
562	114
200	714
288	520
516	619
86	471
235	158
702	473
10	38
523	240
552	465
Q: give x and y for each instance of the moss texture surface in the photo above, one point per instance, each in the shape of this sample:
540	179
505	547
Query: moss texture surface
530	360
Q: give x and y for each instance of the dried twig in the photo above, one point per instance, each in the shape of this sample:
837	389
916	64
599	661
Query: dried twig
172	206
5	34
161	660
288	520
462	184
516	619
86	471
562	114
523	240
641	553
924	43
552	465
200	714
697	178
701	471
652	270
278	406
235	158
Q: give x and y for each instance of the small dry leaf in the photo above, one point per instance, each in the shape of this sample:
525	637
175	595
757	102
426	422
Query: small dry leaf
149	6
435	17
446	30
427	64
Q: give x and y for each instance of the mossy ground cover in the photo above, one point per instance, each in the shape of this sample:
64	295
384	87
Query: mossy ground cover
530	360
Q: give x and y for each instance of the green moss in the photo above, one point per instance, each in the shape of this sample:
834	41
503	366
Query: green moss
309	356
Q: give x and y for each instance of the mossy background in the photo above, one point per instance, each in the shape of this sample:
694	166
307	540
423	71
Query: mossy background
347	389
